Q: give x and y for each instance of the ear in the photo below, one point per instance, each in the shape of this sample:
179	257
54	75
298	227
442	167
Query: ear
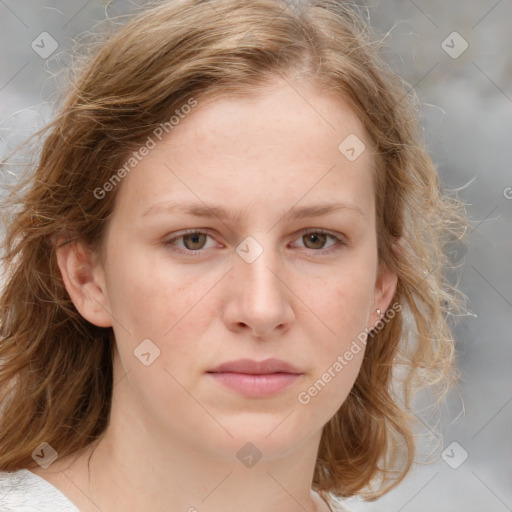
85	283
385	287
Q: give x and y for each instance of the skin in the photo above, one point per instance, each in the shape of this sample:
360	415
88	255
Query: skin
174	432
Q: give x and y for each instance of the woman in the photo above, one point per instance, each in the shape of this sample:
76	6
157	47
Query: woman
230	247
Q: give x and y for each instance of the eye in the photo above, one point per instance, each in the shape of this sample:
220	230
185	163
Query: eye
315	239
193	241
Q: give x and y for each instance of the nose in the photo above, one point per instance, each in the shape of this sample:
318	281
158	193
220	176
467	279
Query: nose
259	295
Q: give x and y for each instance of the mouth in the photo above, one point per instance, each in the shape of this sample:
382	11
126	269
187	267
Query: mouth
256	379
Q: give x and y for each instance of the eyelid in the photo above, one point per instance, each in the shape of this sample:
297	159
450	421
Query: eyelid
181	234
339	240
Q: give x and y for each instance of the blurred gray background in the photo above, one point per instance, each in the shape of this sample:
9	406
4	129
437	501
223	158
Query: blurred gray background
458	57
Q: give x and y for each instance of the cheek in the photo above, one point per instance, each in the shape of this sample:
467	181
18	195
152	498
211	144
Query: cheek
342	304
171	310
325	394
338	354
152	296
166	308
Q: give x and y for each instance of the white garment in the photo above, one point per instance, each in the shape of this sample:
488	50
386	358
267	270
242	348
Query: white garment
24	491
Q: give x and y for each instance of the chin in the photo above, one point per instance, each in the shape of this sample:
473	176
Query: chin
269	435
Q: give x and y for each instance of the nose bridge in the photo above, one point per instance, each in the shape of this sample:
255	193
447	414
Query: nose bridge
263	296
257	264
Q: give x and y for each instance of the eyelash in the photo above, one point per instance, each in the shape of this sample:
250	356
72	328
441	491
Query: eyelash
339	242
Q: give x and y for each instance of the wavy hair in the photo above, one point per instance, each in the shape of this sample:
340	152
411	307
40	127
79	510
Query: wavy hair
56	367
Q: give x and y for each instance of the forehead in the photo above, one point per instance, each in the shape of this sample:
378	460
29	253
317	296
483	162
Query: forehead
278	146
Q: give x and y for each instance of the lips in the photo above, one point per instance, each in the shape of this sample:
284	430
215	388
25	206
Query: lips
251	367
256	379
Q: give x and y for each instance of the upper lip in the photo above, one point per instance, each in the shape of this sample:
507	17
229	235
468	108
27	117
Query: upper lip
256	367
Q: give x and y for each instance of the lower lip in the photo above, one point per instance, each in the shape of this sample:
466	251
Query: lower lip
256	385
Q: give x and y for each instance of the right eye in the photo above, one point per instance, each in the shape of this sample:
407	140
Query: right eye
193	241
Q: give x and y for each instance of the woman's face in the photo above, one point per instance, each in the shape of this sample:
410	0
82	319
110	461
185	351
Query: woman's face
251	284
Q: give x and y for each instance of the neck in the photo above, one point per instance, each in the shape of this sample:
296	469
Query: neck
136	463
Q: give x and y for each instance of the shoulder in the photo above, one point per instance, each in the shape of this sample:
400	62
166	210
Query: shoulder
24	491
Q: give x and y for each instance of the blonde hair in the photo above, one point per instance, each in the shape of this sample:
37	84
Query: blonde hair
56	373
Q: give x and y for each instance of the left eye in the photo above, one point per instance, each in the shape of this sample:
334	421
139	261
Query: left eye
316	239
195	240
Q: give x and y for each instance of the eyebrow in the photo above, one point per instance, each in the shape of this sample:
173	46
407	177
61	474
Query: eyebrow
202	210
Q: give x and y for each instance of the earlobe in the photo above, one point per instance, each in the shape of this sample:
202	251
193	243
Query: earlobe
84	283
385	288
